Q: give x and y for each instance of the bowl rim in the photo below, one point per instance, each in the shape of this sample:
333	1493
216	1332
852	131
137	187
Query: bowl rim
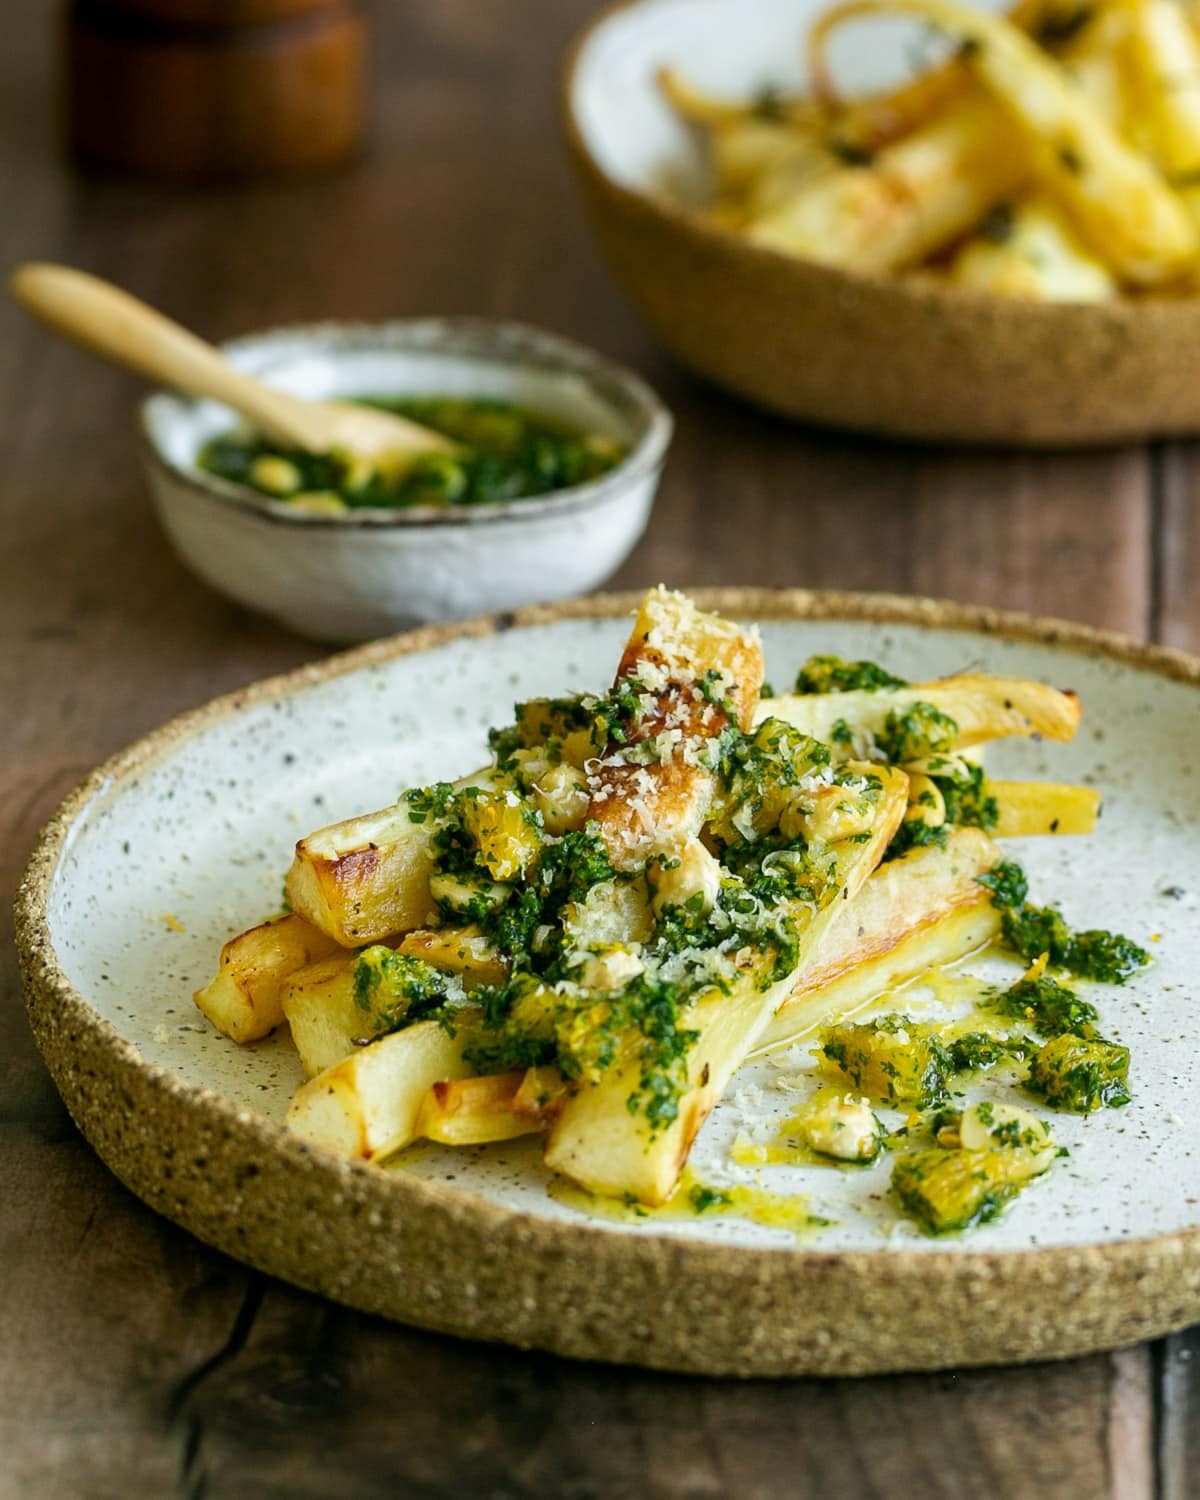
529	346
1137	1288
1124	309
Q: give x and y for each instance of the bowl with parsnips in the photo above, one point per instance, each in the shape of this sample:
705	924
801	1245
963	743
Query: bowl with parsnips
916	217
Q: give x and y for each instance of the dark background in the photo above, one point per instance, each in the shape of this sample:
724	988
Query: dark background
133	1359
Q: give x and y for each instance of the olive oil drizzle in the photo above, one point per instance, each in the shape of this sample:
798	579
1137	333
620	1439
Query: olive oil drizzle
695	1199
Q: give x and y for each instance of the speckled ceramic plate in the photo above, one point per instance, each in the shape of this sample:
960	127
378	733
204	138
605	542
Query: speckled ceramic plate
181	841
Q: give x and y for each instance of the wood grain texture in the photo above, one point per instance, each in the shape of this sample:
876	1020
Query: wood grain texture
1179	1417
1177	553
1176	622
1064	534
133	1358
529	1426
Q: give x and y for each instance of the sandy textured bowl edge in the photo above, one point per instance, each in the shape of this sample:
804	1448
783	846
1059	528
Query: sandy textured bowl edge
427	1254
908	357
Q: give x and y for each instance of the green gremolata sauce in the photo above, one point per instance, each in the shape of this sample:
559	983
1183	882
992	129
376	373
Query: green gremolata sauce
510	454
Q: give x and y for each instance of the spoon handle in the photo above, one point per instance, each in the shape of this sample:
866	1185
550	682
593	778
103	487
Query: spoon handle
111	323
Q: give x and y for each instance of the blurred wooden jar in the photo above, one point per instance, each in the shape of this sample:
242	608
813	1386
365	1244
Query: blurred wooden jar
195	89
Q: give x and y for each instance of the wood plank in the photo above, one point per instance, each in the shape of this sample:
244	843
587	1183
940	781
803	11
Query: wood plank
107	1309
319	1394
1177	623
1179	1424
746	499
1177	559
1130	1424
1064	534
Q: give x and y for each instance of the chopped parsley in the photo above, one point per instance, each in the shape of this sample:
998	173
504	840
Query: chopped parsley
566	870
1034	930
754	771
915	833
1008	884
543	722
616	714
921	730
1049	1007
892	1059
968	802
713	688
948	1190
396	990
526	1024
703	1198
997	224
531	1020
1080	1075
1056	27
832	674
976	1051
429	802
1107	956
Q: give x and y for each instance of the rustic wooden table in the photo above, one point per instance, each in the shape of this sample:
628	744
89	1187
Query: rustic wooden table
133	1359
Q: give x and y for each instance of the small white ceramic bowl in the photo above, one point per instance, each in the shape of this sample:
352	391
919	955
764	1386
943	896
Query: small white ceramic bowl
371	572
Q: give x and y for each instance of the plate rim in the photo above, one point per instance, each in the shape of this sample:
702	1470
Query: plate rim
129	1108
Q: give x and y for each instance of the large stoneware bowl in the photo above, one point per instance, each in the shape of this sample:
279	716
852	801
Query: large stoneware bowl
901	356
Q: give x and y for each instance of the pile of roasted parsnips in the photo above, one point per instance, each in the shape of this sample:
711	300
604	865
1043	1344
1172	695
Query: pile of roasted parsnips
1055	156
728	893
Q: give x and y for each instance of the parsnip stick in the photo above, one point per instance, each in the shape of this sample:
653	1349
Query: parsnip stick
1038	807
683	675
1165	52
876	119
596	1139
962	931
766	163
473	1111
457	950
922	909
982	708
1096	60
364	879
1118	199
366	1106
917	194
1032	251
701	108
329	1018
245	999
367	878
325	1019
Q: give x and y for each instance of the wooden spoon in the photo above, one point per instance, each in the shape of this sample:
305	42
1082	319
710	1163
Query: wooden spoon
113	324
